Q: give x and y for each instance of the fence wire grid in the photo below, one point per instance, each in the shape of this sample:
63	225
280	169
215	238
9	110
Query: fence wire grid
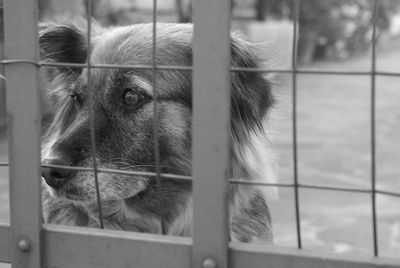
294	71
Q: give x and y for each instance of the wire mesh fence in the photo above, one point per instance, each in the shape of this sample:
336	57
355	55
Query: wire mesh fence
294	71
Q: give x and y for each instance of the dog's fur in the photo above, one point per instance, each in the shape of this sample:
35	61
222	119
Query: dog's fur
124	133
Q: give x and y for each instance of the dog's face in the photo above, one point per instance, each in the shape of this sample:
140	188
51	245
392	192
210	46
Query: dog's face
123	112
123	106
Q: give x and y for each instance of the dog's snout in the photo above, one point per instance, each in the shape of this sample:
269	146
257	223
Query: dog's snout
56	176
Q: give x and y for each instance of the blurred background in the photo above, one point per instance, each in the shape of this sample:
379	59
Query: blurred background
333	111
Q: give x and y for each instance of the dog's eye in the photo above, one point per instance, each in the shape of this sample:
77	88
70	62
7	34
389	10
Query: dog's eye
75	98
133	98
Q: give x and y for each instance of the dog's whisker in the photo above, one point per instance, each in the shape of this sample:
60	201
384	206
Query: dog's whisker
72	71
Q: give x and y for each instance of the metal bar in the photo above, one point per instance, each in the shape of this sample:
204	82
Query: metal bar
124	172
5	242
21	40
232	180
333	188
211	124
251	255
189	68
302	185
87	247
313	71
91	111
373	130
82	247
393	194
296	8
155	120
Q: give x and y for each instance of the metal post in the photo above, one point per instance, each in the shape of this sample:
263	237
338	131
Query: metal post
211	124
23	110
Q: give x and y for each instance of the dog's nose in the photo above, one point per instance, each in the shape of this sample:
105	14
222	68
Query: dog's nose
56	176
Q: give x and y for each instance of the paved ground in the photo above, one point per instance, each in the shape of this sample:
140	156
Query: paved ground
333	149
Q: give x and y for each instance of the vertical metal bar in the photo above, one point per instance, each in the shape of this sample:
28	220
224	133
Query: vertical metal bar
155	120
373	128
91	111
211	124
23	110
180	10
296	10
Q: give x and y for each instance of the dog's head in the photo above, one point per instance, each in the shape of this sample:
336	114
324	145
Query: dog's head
123	104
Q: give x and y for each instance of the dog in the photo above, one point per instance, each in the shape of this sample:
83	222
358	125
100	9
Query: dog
123	129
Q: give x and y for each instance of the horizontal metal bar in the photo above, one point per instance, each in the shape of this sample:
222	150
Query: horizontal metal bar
313	186
260	183
9	62
100	66
252	255
312	71
114	171
121	66
80	247
333	188
382	192
5	249
86	247
189	68
232	180
123	172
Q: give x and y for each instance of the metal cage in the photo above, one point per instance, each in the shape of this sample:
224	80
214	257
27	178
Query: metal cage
27	242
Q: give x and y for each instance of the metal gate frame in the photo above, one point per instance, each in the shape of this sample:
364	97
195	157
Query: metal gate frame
29	243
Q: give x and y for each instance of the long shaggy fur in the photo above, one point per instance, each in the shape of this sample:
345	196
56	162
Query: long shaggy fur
124	137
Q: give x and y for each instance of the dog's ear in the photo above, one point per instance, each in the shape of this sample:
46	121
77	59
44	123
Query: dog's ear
251	90
252	98
63	43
